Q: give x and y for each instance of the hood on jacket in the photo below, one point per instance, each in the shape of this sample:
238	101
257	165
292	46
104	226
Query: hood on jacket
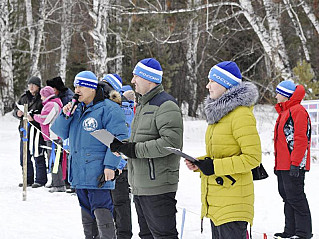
110	93
295	99
245	94
53	98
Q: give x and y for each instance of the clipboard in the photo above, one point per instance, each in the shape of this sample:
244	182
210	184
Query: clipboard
180	153
103	136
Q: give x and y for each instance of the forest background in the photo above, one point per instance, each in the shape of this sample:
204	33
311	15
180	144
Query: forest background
270	40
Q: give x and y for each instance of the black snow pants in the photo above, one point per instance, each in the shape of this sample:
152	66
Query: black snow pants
122	207
296	208
157	216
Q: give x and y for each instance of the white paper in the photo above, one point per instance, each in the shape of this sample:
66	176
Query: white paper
103	136
20	107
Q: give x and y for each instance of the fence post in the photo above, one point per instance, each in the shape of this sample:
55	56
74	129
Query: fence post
25	151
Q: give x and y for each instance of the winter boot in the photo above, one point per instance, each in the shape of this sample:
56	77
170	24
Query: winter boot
89	225
57	189
105	223
282	235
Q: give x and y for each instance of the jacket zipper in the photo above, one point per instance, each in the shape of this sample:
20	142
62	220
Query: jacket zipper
152	169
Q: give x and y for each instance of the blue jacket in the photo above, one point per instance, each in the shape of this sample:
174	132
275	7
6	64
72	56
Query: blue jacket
88	156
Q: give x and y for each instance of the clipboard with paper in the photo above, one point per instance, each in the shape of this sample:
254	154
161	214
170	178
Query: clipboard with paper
182	154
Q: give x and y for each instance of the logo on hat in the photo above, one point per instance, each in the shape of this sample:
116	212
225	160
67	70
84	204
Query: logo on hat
149	69
225	73
86	79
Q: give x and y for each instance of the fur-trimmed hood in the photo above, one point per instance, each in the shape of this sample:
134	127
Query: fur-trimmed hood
244	94
115	96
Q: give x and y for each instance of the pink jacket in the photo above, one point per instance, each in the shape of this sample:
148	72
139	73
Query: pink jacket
51	109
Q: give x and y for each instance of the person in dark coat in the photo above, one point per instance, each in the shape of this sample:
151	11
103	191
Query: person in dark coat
60	90
112	85
292	140
33	99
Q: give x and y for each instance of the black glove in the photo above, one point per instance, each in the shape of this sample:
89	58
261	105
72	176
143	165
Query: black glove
127	149
294	171
101	178
206	166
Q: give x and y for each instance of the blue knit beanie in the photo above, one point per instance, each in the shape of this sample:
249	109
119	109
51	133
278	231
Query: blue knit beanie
225	73
149	69
126	88
286	88
114	80
86	79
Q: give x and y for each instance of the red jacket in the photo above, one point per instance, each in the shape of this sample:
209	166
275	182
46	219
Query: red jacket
292	133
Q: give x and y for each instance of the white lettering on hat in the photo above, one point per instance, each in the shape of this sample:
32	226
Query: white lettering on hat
222	79
148	76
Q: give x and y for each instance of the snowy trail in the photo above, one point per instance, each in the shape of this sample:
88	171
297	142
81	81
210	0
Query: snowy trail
57	215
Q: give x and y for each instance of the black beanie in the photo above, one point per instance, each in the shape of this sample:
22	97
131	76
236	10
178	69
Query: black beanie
57	83
34	80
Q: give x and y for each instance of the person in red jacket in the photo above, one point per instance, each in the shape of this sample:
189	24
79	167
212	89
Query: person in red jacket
292	159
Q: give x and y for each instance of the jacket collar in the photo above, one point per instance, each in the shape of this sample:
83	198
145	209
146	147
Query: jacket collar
295	99
245	94
149	95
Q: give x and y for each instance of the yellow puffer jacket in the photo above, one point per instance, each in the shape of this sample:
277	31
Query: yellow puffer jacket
233	142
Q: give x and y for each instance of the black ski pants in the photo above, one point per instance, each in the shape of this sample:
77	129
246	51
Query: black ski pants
157	216
230	230
296	208
122	207
40	167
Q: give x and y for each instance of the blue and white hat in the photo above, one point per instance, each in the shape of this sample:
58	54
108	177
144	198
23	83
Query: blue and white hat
149	69
86	79
225	73
286	88
114	80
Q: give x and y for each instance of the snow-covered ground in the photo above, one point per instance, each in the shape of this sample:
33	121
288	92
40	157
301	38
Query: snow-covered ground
57	215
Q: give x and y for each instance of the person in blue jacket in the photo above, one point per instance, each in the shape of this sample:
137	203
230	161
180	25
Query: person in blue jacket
89	158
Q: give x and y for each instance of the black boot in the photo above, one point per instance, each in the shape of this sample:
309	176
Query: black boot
282	235
105	223
89	225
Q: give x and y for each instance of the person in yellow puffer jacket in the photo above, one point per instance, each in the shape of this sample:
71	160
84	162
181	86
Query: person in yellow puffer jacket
232	150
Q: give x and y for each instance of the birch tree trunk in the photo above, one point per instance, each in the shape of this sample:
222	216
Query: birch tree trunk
299	31
191	60
65	36
6	92
309	12
268	39
99	15
36	31
119	44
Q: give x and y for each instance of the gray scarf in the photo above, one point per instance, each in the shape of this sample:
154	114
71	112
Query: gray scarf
244	94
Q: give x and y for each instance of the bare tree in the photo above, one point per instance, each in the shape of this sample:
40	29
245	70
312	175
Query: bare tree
309	12
66	34
6	92
271	38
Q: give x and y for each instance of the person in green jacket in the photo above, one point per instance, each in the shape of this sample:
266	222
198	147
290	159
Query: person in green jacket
153	171
232	150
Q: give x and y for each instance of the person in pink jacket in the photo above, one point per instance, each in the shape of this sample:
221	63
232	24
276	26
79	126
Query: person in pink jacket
52	106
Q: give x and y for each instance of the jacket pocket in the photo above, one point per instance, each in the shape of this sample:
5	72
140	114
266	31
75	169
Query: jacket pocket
151	168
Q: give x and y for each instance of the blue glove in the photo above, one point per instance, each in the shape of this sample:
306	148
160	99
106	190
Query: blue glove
206	166
294	171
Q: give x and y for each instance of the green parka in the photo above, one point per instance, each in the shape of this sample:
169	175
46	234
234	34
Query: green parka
157	123
233	142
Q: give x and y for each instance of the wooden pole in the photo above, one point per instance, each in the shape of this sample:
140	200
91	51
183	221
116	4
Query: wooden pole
25	151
